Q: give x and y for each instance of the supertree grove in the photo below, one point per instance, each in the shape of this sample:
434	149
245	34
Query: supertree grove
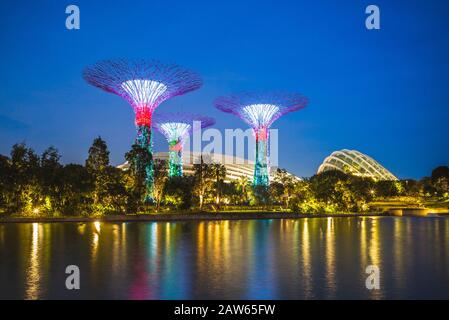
145	84
260	110
176	127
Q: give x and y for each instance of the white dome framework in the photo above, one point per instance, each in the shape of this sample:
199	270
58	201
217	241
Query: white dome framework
356	163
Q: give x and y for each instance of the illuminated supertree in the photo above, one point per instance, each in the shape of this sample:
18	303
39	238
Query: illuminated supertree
176	127
260	110
145	84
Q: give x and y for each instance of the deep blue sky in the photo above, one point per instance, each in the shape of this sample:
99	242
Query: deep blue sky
384	93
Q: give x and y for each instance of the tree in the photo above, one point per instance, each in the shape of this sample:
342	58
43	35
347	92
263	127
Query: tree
276	190
439	172
26	191
412	188
204	180
440	180
49	175
178	191
304	200
5	183
323	185
110	190
387	188
98	157
260	195
77	186
243	184
219	173
137	157
337	191
97	164
346	200
287	185
231	192
160	179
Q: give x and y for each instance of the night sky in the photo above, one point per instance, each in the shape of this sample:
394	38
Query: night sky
384	93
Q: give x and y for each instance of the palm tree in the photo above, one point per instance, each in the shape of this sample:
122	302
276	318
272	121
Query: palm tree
203	179
219	172
160	179
242	184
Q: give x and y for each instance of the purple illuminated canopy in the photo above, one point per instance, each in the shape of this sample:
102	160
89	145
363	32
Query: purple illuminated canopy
260	109
179	125
143	83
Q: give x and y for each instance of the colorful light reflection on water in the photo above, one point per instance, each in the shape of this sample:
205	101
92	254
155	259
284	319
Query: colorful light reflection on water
319	258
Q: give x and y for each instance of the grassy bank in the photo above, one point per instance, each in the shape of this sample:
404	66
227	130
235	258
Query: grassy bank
399	206
198	216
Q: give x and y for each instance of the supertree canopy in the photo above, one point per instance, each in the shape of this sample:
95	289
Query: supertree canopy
176	127
145	84
260	110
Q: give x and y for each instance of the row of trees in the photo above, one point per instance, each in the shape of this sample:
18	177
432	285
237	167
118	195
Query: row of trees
32	184
335	191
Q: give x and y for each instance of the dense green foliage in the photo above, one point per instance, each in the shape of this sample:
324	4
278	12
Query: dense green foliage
39	185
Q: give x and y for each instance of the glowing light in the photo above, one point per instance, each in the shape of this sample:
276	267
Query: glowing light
82	228
356	163
95	240
142	82
261	171
145	84
261	133
260	115
330	257
174	130
36	210
306	253
175	133
94	253
33	270
97	226
260	111
176	127
144	92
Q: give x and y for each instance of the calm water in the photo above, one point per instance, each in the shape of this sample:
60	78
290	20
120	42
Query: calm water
265	259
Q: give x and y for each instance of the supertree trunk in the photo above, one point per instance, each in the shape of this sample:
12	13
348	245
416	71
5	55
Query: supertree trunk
145	84
261	163
144	140
175	158
176	127
260	110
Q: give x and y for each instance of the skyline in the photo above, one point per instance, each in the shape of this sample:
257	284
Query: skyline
363	85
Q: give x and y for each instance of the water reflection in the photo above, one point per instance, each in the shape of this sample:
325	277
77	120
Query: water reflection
264	259
330	257
306	254
2	235
398	245
95	240
374	245
33	272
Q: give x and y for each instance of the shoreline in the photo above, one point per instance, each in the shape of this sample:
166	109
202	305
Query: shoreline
211	216
203	216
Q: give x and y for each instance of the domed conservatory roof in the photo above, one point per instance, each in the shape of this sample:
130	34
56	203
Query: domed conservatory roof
356	163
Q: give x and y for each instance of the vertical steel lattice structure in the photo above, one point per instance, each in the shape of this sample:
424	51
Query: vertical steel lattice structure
176	127
260	110
145	84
